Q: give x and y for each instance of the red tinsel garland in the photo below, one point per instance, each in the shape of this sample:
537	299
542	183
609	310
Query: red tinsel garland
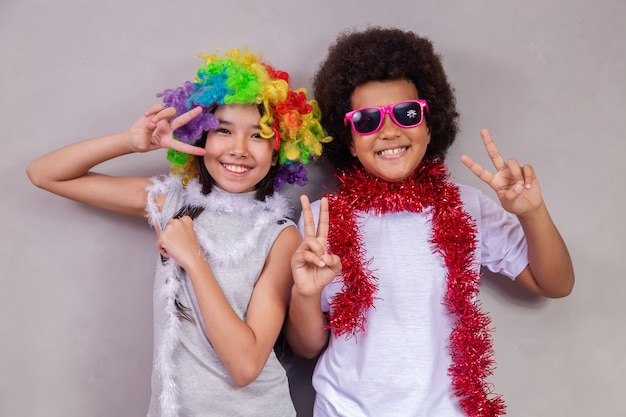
454	238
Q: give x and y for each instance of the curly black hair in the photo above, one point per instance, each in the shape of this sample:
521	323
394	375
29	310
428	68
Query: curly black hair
383	54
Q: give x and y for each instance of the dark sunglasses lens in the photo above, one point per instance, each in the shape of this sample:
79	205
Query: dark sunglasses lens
408	114
366	121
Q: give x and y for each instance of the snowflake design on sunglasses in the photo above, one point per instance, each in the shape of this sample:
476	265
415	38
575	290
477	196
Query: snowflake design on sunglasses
412	114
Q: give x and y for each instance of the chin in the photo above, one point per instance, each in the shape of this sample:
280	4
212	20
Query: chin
394	177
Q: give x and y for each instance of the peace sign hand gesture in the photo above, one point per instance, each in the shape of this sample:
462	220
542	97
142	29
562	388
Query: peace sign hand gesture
312	266
156	127
516	186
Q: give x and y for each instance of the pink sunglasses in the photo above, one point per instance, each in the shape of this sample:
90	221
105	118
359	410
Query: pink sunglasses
368	120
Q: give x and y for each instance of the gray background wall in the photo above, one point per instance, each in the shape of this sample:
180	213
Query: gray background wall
546	76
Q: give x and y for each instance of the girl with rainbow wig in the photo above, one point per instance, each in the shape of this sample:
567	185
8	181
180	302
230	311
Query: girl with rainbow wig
234	134
288	119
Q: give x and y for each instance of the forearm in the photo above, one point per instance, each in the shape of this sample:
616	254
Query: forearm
548	258
306	325
243	352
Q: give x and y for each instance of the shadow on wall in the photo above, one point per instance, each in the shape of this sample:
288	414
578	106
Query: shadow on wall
503	287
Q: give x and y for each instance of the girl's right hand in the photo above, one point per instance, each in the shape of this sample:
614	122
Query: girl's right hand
154	130
312	266
178	241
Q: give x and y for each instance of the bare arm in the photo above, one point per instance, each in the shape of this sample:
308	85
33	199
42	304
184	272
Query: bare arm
550	271
67	171
313	268
243	346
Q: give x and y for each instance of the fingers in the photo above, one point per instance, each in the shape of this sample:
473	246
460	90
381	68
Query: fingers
477	169
322	222
162	250
307	217
523	175
186	148
178	238
333	262
185	118
313	246
167	126
310	252
492	151
157	113
528	172
158	118
164	114
175	226
153	110
321	231
514	168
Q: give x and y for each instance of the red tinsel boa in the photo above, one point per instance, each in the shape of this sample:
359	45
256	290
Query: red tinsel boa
453	237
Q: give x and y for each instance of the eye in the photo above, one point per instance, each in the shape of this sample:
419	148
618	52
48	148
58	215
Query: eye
366	120
408	114
222	130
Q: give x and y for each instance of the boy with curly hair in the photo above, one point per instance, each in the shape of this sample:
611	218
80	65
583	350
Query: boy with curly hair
385	281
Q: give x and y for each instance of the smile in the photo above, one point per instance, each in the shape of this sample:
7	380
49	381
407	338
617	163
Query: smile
236	168
394	151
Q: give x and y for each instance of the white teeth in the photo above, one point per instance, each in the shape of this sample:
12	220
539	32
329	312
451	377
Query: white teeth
236	168
392	151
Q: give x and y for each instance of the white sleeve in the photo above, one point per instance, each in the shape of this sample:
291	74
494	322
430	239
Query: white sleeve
502	245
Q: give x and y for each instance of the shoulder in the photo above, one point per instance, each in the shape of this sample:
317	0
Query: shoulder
279	206
288	237
471	195
275	216
165	196
283	246
493	222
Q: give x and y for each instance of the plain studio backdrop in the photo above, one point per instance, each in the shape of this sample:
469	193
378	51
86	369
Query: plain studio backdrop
547	77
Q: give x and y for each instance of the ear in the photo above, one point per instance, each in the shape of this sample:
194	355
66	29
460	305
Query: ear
275	158
351	147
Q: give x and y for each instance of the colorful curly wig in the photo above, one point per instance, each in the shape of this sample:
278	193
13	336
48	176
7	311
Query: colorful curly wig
242	77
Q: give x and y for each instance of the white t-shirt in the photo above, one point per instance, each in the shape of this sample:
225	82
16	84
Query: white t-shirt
400	367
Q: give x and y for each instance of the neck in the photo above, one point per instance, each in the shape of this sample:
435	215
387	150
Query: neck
420	189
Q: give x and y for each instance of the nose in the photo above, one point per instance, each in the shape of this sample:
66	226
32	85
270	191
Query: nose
389	128
239	146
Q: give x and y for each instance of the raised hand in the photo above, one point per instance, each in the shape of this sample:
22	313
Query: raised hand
516	186
312	266
155	128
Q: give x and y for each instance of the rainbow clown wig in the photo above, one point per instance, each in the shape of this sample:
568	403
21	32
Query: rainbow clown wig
241	77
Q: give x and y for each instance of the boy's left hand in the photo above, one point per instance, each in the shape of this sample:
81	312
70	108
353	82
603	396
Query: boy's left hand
517	186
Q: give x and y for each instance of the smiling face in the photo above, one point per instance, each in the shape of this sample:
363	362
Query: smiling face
237	157
393	152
